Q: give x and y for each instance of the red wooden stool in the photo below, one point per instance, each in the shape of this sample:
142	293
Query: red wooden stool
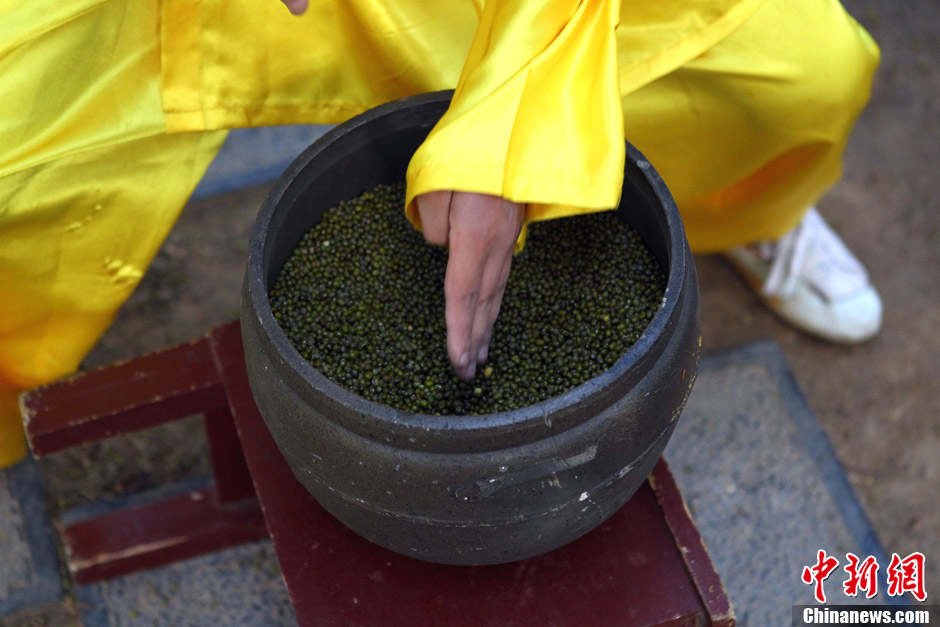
644	566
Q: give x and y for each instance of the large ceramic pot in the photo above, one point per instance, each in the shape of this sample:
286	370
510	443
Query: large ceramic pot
464	489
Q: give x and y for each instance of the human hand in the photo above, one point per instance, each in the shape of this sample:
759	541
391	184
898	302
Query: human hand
297	7
481	232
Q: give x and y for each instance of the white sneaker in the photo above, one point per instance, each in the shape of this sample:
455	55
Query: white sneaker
813	281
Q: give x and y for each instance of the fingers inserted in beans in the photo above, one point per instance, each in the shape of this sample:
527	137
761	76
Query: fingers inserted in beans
362	299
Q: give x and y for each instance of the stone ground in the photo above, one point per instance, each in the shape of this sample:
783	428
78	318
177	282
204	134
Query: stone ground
879	403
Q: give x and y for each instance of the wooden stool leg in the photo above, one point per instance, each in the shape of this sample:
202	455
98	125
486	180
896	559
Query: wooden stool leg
141	393
139	538
232	479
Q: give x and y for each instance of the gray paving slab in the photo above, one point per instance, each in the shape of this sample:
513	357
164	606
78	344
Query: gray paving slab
252	156
16	571
29	566
764	486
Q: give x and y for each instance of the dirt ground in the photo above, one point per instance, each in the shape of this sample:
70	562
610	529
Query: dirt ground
879	403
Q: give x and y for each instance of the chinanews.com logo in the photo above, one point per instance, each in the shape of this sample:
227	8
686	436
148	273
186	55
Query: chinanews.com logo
903	575
869	615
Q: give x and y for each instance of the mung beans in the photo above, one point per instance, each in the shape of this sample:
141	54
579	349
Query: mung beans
362	299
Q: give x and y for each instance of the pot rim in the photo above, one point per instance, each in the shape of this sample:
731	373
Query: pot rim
283	195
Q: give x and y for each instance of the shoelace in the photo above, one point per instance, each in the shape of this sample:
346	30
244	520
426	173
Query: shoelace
814	253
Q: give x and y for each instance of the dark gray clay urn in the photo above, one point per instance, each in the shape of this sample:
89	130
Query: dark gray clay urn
464	489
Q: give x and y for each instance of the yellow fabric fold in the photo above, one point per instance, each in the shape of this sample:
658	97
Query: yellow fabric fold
83	75
90	184
536	114
247	63
655	38
81	237
751	132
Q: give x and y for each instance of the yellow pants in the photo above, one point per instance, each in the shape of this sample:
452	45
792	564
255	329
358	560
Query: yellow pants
744	111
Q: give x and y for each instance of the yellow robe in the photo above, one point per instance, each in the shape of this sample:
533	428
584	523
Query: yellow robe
112	110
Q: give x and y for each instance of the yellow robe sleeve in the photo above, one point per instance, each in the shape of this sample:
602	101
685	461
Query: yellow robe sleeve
536	115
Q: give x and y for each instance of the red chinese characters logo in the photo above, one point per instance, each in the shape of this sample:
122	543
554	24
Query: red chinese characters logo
862	576
819	573
907	575
903	575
